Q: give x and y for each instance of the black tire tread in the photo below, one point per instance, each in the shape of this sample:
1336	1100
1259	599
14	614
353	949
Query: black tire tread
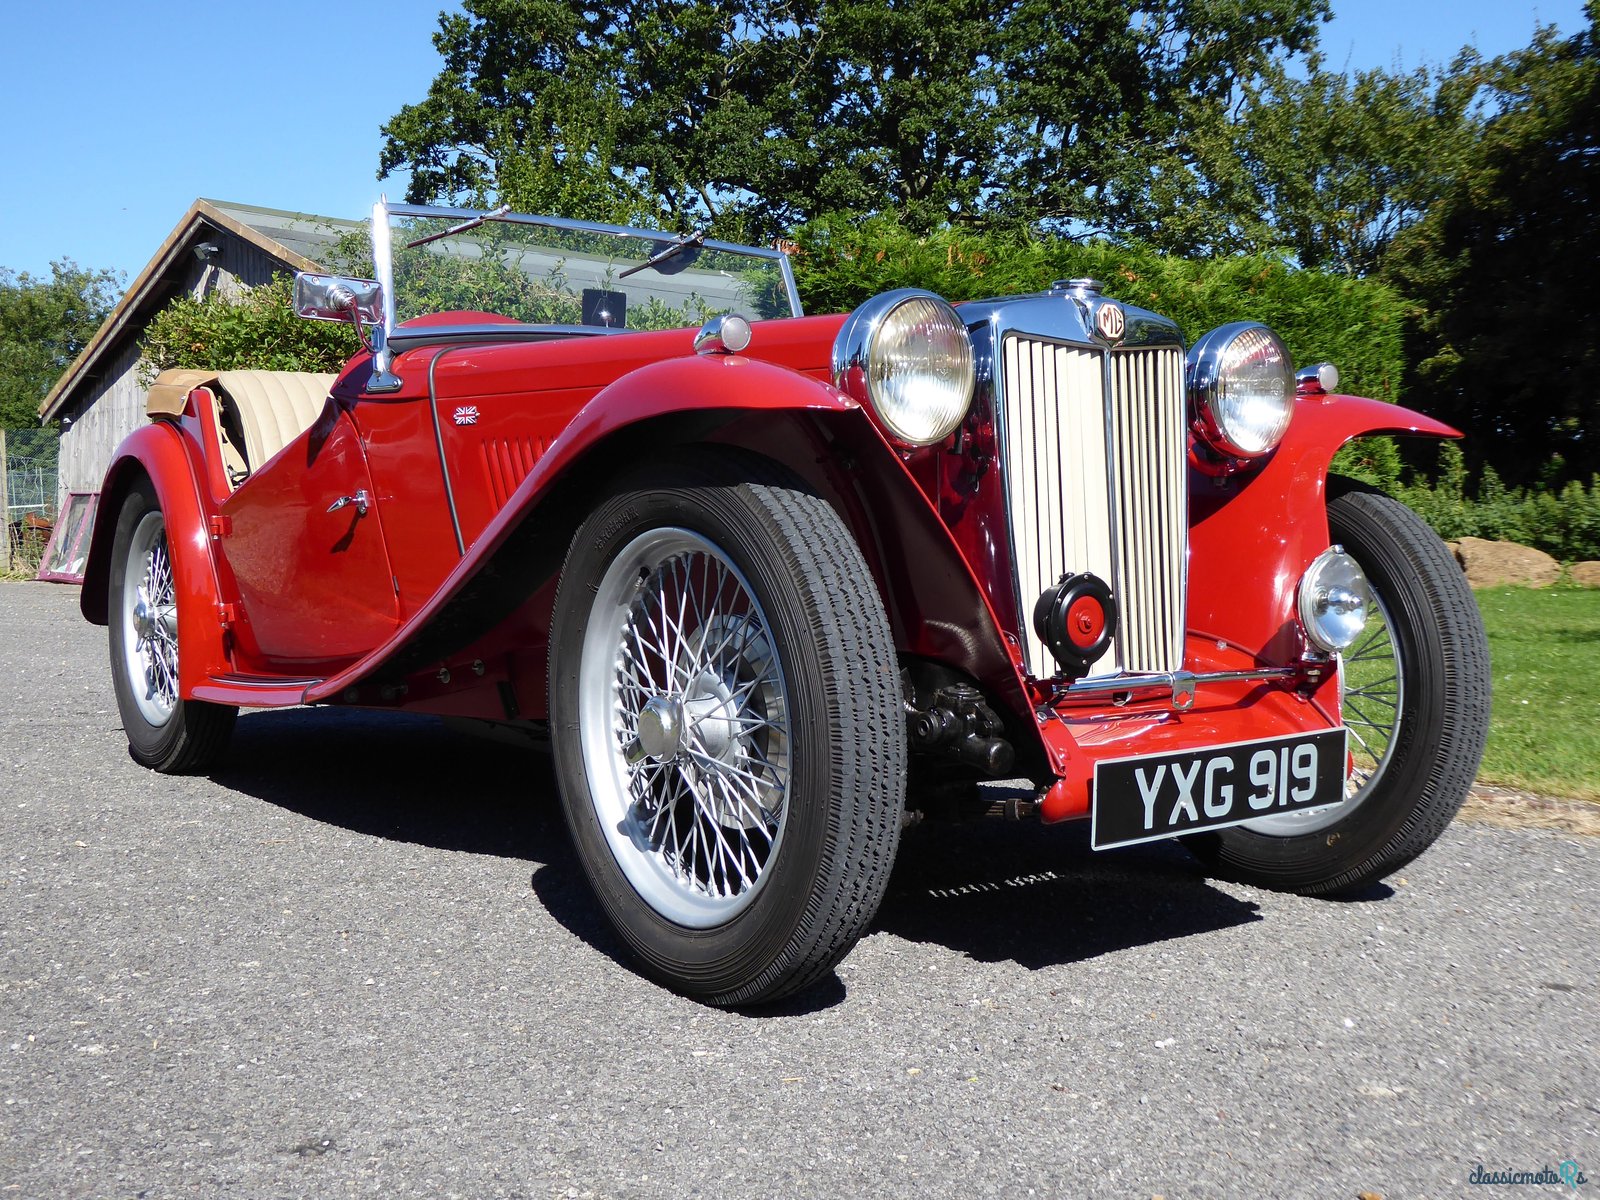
208	728
1466	702
845	604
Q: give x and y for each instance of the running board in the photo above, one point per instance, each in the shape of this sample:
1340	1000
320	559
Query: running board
254	691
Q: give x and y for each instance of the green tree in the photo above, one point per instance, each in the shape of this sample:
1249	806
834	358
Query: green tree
1502	267
749	117
44	325
655	104
1333	167
1116	115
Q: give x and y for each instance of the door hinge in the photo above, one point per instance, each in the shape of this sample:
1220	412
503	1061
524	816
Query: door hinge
221	526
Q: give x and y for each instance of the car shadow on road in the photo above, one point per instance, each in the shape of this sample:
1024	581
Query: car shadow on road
401	777
995	891
1040	897
411	779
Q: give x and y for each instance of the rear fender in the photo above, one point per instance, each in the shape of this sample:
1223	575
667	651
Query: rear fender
161	454
935	603
1280	513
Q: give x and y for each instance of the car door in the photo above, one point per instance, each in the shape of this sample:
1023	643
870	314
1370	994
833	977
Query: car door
305	541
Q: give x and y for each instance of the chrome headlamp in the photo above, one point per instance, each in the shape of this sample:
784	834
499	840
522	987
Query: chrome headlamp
1334	600
907	355
1242	389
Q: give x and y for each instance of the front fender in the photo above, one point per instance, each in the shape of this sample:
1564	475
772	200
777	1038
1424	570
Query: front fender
935	603
161	454
1280	513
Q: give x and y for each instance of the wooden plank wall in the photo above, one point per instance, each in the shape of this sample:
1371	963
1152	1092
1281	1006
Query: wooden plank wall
115	409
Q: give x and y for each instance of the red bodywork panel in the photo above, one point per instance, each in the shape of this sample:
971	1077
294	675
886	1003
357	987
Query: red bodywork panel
281	601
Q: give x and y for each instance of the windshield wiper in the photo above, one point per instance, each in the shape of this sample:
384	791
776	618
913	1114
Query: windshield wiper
671	251
461	228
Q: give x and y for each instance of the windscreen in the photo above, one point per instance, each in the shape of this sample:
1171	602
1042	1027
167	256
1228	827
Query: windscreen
548	274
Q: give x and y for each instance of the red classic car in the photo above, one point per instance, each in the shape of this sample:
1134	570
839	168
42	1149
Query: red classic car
775	583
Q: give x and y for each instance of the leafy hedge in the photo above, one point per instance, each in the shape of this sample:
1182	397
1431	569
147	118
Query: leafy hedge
1353	323
256	330
1564	522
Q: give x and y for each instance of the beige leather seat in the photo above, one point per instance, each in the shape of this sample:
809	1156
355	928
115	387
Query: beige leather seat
274	407
264	410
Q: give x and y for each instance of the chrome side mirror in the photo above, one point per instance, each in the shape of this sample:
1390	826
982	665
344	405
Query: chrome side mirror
338	298
361	302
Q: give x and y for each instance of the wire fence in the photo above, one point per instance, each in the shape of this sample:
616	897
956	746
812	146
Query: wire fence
28	492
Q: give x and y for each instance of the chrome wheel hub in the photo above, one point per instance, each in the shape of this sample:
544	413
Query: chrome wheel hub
714	714
150	621
660	728
144	621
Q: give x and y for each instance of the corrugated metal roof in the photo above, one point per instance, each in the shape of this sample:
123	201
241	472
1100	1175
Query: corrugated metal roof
305	233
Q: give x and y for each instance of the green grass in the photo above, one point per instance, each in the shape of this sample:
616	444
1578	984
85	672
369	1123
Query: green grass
1544	645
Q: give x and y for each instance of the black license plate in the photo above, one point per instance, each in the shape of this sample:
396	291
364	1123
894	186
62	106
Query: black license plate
1165	795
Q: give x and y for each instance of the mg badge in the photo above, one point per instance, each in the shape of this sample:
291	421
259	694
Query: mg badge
1111	322
467	415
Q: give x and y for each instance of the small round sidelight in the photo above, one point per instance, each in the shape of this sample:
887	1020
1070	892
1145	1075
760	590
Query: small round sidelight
1242	389
1316	380
907	354
1334	600
725	333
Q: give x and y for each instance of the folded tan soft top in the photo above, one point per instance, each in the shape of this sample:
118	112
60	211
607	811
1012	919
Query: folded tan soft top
170	392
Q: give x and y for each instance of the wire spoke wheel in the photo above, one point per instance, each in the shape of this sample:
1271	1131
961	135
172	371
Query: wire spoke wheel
164	730
149	613
1372	697
685	719
726	724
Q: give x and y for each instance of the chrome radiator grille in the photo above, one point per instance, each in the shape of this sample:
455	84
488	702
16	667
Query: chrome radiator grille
1095	479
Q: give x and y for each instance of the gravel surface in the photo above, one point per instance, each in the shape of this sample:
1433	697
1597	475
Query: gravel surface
359	960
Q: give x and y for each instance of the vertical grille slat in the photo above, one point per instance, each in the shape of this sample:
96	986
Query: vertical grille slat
1095	481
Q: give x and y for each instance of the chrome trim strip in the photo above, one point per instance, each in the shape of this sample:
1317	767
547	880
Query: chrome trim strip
438	440
1144	683
383	376
257	681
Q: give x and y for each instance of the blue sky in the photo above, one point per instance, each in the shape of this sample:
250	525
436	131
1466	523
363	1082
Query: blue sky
117	114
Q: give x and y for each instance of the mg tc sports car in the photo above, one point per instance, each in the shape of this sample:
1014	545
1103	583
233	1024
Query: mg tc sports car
771	582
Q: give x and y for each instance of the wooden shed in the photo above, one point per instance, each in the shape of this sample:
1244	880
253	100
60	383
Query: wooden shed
216	247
